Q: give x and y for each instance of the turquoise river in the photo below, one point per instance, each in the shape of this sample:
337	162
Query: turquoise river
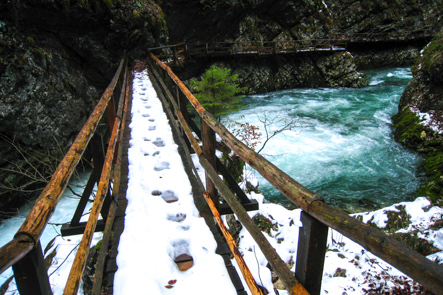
342	147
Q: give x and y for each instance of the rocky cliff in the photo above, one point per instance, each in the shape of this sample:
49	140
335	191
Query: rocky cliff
256	21
56	58
419	122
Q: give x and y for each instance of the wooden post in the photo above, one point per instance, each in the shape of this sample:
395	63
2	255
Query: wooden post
174	50
311	253
209	151
31	275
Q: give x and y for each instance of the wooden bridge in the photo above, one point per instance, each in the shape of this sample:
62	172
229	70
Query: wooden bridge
24	252
336	42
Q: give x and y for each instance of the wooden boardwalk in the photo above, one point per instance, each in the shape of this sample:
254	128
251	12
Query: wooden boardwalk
197	191
335	42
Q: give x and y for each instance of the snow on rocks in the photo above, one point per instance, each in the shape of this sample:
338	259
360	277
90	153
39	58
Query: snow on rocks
162	225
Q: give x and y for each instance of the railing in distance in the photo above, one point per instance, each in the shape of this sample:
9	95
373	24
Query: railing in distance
387	248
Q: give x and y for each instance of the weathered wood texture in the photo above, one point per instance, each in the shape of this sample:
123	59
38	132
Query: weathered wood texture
416	266
107	233
278	265
169	104
250	281
311	252
82	253
30	273
209	151
37	219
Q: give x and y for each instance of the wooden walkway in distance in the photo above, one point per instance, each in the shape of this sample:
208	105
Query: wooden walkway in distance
335	42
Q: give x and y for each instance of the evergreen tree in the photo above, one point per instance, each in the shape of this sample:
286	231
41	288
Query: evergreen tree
218	92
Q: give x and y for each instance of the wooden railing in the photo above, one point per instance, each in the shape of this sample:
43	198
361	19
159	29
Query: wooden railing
386	37
336	42
178	51
24	252
316	215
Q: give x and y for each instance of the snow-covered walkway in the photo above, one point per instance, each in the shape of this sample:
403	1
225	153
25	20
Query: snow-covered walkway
158	230
161	220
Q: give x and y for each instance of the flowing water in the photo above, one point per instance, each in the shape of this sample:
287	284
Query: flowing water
343	147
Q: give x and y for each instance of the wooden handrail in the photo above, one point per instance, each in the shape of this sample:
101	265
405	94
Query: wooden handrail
81	256
45	205
27	237
250	281
416	266
278	265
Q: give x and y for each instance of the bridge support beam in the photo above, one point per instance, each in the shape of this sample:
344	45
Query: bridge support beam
311	253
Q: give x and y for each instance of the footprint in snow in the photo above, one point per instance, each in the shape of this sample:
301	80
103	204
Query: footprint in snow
159	142
179	217
146	115
181	257
161	166
168	196
151	128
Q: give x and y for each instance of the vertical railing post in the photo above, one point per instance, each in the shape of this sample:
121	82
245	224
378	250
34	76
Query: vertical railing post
209	151
174	52
31	274
311	253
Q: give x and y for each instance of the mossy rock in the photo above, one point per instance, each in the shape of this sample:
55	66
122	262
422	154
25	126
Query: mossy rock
415	243
408	129
264	224
396	220
434	170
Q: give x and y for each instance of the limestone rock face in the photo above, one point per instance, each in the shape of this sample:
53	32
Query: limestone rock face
339	69
421	99
55	62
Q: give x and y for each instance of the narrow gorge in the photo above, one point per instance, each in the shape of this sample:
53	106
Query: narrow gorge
56	57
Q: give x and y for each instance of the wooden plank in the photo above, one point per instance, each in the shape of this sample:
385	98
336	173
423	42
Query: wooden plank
82	253
224	208
233	185
44	206
209	152
107	233
78	229
271	255
249	279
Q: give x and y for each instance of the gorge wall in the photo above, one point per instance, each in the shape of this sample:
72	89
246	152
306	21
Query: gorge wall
419	122
255	21
56	58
